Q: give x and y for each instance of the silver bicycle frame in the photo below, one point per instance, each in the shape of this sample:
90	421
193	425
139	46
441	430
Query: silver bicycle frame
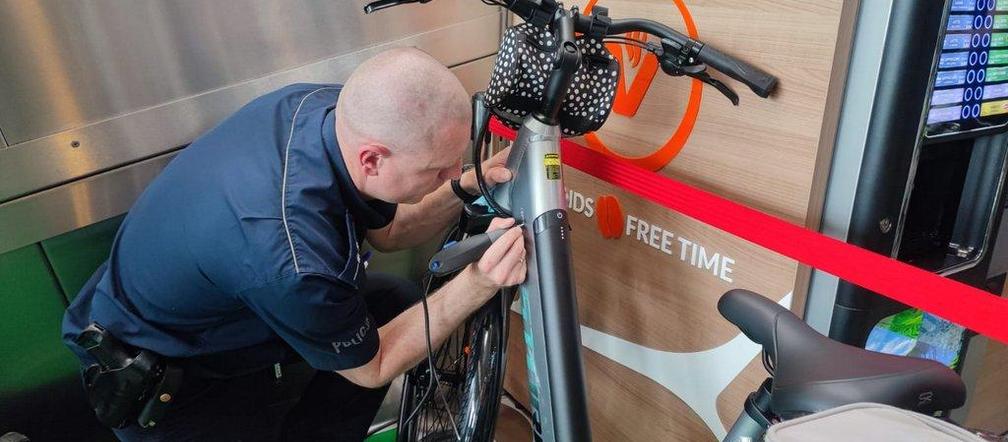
535	196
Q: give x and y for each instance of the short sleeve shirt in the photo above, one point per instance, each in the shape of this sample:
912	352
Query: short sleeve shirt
250	235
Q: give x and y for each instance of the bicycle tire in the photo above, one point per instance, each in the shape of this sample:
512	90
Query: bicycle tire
470	375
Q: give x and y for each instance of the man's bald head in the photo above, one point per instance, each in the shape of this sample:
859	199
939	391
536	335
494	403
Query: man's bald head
404	99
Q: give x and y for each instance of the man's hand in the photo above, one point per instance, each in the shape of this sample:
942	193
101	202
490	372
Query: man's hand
494	172
402	340
503	264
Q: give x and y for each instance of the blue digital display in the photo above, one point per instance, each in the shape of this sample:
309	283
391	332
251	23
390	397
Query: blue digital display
962	5
943	114
995	91
970	83
947	96
960	23
950	78
953	60
957	41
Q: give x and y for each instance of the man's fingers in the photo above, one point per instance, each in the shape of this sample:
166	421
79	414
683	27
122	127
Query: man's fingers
516	274
491	258
496	175
515	256
499	157
501	223
500	175
503	262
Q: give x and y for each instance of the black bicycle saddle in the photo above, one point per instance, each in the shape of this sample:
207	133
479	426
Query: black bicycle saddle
813	373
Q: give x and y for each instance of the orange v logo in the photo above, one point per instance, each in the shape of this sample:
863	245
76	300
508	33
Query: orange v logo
630	94
629	97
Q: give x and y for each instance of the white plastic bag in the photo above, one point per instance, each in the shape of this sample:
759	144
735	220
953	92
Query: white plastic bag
867	422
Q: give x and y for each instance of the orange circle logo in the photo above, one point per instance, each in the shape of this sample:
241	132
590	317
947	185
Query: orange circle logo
630	95
609	214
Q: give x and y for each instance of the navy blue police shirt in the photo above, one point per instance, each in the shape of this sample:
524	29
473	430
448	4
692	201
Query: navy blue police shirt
250	235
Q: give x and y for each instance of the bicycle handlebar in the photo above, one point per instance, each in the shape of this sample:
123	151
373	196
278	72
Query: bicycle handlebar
544	12
758	80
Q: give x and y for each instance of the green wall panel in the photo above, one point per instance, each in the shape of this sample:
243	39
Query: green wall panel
395	263
384	436
75	255
409	263
31	311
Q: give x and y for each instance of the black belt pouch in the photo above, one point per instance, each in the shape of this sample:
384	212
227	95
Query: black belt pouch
126	385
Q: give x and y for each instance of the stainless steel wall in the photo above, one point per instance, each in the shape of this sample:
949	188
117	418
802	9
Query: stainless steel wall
90	88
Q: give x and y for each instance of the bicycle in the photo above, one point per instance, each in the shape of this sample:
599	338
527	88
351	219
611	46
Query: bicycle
810	372
571	82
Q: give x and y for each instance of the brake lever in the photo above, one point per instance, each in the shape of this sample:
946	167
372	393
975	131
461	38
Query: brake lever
677	59
698	71
718	84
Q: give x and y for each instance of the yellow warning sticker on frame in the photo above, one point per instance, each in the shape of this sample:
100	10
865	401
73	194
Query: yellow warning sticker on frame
552	163
994	108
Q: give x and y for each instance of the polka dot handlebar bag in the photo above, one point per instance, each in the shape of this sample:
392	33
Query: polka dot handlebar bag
522	69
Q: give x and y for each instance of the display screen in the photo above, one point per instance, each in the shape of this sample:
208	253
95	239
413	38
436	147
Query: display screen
970	87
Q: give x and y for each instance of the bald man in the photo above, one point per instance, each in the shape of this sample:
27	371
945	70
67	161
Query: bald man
242	262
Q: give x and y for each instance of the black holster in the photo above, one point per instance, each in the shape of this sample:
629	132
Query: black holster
127	384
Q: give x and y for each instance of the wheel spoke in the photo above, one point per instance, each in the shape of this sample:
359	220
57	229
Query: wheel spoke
445	414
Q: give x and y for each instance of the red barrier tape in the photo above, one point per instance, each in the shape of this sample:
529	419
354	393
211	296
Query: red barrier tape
968	306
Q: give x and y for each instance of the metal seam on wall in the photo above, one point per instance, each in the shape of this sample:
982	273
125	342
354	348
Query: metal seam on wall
56	163
137	160
174	149
52	273
42	215
95	60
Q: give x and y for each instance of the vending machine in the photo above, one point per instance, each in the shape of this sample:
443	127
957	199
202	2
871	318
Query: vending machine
919	166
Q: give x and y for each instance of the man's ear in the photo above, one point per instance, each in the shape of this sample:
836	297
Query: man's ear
370	157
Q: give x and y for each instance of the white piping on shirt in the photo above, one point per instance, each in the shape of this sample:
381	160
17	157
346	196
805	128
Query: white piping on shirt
352	235
283	187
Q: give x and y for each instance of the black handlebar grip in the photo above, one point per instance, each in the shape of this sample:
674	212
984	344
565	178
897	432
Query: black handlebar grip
760	82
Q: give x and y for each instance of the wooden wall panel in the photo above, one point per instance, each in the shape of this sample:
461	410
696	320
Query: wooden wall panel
988	407
648	298
988	401
762	152
625	405
643	294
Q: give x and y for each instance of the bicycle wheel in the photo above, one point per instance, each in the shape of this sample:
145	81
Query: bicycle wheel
469	370
468	376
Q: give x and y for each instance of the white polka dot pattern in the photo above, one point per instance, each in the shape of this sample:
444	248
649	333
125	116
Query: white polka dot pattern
523	65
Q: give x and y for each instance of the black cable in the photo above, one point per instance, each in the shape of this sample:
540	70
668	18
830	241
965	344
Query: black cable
431	383
631	42
626	41
478	146
768	363
480	181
